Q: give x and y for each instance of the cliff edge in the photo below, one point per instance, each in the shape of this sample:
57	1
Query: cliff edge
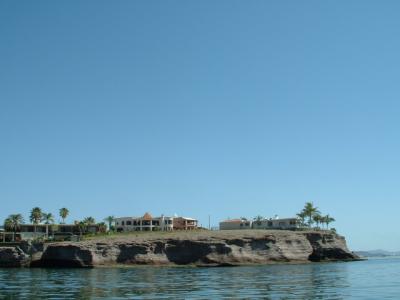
201	248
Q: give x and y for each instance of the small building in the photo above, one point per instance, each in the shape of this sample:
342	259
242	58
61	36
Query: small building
232	224
183	223
277	223
33	231
144	223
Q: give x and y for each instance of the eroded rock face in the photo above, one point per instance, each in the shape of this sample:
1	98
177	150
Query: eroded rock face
13	257
199	248
70	255
328	247
215	248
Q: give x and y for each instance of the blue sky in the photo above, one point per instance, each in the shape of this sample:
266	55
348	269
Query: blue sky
227	108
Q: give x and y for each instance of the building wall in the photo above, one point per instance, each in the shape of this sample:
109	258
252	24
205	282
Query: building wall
234	225
288	223
181	223
127	224
31	231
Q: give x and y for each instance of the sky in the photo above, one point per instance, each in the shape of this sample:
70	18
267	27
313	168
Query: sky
203	108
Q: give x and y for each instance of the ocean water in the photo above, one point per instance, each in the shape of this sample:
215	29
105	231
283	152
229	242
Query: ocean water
372	279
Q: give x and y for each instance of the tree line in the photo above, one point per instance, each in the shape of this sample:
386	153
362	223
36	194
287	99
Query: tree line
38	216
311	215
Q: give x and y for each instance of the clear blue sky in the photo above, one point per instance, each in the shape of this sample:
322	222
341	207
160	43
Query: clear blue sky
221	108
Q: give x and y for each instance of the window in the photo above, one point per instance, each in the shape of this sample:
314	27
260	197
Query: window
269	224
122	223
128	223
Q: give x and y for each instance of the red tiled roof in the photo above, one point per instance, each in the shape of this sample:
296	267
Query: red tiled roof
147	217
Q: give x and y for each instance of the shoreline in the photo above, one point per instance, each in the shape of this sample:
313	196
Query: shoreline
196	248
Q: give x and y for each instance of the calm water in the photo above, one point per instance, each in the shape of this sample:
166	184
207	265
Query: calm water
373	279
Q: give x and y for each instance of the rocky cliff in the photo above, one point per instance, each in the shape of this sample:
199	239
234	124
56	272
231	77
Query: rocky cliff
208	248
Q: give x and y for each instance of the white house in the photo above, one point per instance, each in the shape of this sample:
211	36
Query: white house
271	223
144	223
277	223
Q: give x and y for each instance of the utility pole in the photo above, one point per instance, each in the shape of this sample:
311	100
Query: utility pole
209	222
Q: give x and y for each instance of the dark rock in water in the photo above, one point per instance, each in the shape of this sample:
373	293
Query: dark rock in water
13	257
208	248
328	247
66	256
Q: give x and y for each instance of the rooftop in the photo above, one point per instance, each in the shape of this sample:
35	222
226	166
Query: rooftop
233	221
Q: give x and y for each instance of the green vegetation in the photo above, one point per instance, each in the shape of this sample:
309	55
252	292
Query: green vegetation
102	227
110	220
36	215
258	219
48	218
327	220
13	222
89	221
311	215
64	212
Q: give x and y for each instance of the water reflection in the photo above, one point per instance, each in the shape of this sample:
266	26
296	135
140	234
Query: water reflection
311	281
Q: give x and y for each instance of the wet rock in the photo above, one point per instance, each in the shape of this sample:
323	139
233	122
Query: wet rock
13	257
66	255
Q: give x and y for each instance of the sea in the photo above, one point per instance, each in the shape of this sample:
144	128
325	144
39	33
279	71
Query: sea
371	279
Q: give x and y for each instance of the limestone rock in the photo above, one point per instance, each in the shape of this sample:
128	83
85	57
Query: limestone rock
201	248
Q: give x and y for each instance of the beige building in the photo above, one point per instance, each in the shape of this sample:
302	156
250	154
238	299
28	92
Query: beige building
232	224
150	223
182	223
272	223
144	223
277	223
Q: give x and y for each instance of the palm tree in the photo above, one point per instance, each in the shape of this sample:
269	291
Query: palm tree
322	220
89	221
13	222
36	215
302	217
82	227
309	211
102	227
328	219
110	220
318	219
48	218
258	219
64	212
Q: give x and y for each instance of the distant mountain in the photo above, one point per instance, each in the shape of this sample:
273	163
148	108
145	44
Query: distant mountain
377	253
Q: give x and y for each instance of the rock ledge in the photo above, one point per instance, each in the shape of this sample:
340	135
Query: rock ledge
208	248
